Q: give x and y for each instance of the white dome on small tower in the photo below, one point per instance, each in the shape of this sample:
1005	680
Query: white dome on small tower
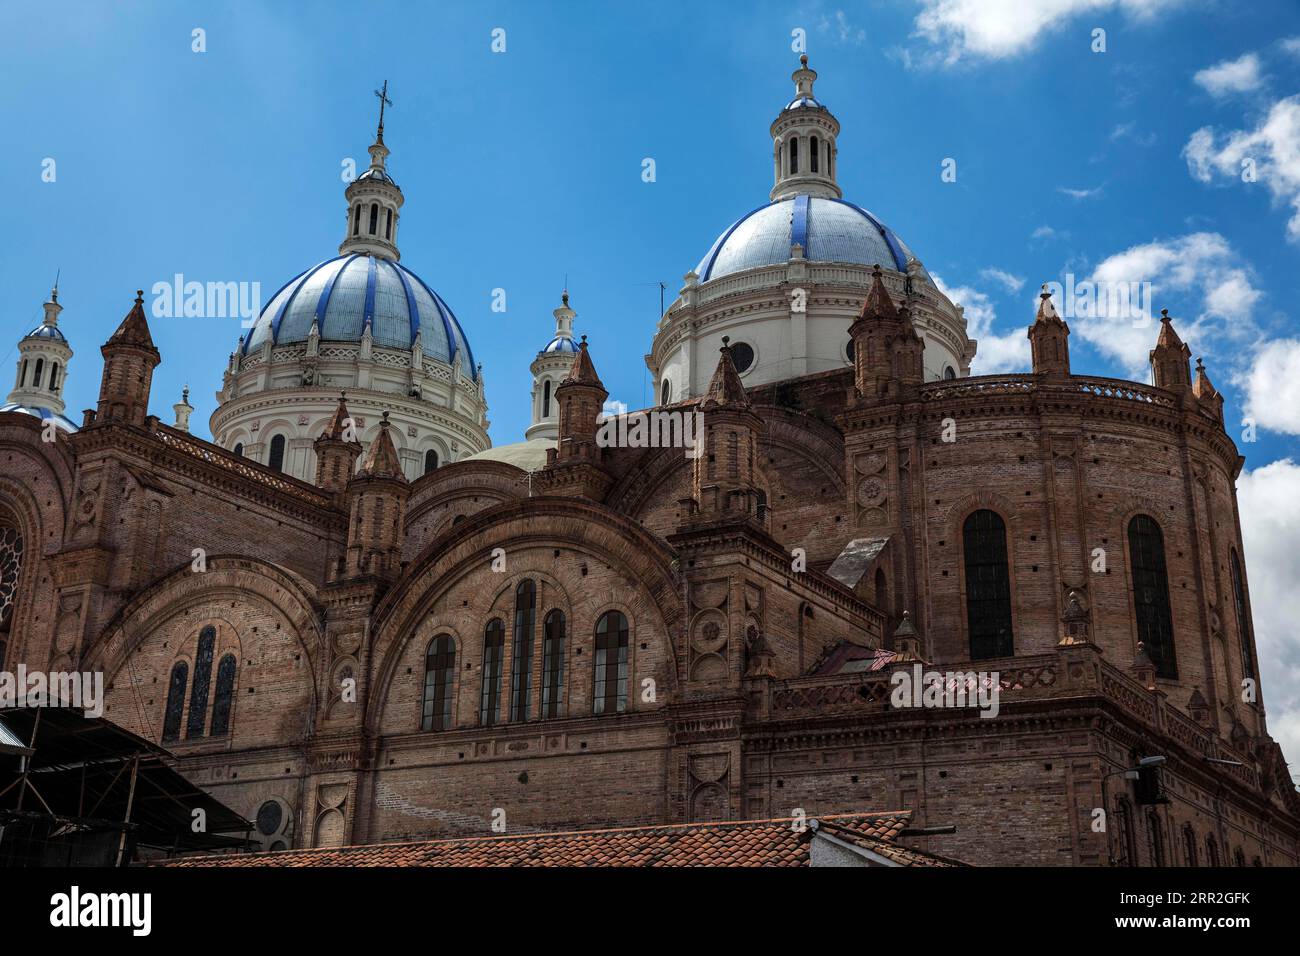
43	356
549	368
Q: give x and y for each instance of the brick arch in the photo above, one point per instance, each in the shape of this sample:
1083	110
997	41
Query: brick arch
464	479
232	578
565	522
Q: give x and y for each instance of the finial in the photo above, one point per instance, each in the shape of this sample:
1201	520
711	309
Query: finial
803	60
583	343
383	101
384	423
875	270
1200	365
726	339
1164	315
1045	294
564	297
185	394
343	394
139	296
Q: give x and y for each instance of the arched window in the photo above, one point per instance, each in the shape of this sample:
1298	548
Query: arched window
175	701
988	585
814	150
388	225
22	375
54	376
40	369
356	221
439	667
1189	846
239	449
1243	616
202	677
1155	841
1211	851
276	461
225	696
494	640
430	460
553	664
546	398
666	393
374	217
949	373
1127	845
1155	627
794	155
521	658
611	664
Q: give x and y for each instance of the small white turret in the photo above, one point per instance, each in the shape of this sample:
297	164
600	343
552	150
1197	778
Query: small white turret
549	368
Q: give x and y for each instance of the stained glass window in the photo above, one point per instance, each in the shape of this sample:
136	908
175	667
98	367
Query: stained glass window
1155	627
11	563
202	677
521	663
553	664
175	701
225	696
439	667
611	664
494	640
988	585
269	817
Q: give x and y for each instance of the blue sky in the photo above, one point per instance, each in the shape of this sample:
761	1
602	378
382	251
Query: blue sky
522	167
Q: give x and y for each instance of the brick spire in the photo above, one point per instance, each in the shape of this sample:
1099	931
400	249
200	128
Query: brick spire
1170	356
583	371
338	425
129	360
725	388
878	304
337	450
381	460
134	329
1049	339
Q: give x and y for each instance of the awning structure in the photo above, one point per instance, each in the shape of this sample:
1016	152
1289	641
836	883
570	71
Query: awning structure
81	791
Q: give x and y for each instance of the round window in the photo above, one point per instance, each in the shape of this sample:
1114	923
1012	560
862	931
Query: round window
742	356
269	817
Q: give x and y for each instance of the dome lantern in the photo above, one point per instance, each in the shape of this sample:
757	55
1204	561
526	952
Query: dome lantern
803	142
43	356
374	201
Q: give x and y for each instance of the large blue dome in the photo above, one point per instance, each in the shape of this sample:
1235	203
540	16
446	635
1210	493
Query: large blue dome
830	230
346	293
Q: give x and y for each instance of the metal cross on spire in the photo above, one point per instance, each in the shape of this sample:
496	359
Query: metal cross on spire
383	101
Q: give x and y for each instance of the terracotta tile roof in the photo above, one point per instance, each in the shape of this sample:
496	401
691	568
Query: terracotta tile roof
902	855
739	843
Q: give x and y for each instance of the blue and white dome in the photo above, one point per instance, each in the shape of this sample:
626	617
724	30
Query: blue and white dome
46	331
829	230
561	343
44	414
345	294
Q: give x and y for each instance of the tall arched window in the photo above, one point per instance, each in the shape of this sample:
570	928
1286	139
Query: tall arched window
430	461
546	398
666	393
814	151
1211	851
388	225
521	658
175	701
794	155
225	696
1189	846
356	221
40	368
1127	845
1243	616
239	449
611	664
439	668
202	677
1155	627
276	461
374	217
988	585
1155	841
494	641
22	375
54	376
553	664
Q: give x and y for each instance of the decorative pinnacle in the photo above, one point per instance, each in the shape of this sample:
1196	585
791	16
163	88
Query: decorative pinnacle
1164	315
139	296
726	339
803	60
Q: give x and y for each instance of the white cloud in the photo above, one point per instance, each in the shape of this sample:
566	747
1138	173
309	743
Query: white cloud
1272	150
1008	352
1198	277
1231	76
843	31
1129	131
1269	499
1079	193
1011	283
994	29
1291	45
1044	233
1272	386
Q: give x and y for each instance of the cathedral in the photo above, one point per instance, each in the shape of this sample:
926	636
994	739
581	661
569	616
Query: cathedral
353	620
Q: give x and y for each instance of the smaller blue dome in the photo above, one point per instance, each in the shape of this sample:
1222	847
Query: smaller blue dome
804	101
561	344
60	421
46	332
377	174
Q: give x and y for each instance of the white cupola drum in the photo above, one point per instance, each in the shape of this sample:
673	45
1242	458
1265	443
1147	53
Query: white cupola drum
374	201
43	356
803	143
552	364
